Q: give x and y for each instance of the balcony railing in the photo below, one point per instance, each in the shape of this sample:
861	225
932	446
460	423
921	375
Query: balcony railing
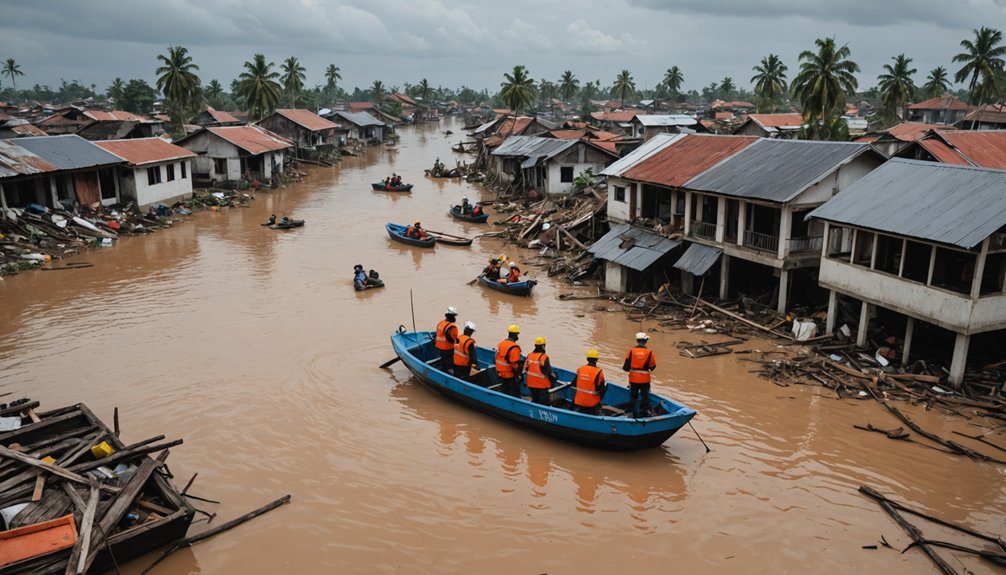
808	244
704	230
761	241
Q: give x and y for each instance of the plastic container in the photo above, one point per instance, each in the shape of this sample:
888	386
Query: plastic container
103	449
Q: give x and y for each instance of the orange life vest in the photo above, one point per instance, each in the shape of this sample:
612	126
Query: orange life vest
587	379
514	275
445	337
464	352
534	375
504	365
640	360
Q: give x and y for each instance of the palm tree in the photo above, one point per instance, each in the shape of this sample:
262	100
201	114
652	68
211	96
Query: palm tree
937	83
259	87
214	93
12	70
177	79
115	90
423	89
377	91
546	90
770	80
568	85
517	89
332	76
896	85
624	87
293	79
727	87
821	86
673	78
983	62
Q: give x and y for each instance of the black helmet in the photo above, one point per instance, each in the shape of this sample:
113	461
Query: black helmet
358	267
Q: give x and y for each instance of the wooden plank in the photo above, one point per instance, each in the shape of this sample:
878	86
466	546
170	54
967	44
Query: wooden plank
75	565
39	487
9	436
33	416
53	469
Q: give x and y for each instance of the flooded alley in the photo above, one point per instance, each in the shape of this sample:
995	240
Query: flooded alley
251	344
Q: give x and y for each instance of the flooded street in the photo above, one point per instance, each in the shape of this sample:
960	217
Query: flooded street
251	344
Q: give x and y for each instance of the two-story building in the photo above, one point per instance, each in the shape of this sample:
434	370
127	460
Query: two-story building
155	171
944	110
927	241
229	153
751	207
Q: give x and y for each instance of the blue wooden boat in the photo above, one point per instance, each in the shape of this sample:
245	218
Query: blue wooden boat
479	219
615	429
517	288
397	233
382	187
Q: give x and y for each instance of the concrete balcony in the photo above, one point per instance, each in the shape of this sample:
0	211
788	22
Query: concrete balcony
704	230
761	241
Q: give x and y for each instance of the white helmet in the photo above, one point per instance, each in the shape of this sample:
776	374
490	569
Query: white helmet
513	264
642	336
451	310
469	325
464	199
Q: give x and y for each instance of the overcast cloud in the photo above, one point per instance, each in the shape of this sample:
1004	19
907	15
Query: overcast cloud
453	42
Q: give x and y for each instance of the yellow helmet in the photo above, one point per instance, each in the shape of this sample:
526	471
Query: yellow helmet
539	341
592	354
513	328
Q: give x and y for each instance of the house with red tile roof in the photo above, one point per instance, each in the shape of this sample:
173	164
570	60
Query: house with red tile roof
978	148
229	153
890	141
945	110
212	117
770	125
155	171
312	135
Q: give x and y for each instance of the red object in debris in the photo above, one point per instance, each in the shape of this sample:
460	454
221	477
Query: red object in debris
37	540
113	224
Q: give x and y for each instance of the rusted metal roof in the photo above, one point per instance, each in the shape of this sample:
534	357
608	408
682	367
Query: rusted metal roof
252	139
533	149
26	129
942	152
944	102
632	247
943	203
777	120
910	131
651	147
984	149
113	116
139	151
221	117
777	170
623	116
993	114
68	152
17	161
685	158
307	119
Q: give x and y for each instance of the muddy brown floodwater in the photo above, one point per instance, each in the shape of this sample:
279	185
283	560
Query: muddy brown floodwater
251	345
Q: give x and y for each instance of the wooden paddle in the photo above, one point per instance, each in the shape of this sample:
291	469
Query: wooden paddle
474	281
389	362
446	235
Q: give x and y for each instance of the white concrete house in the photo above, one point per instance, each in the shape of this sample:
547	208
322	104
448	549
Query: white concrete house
925	240
227	153
156	171
548	164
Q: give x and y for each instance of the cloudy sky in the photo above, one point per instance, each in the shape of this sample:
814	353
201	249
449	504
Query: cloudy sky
473	42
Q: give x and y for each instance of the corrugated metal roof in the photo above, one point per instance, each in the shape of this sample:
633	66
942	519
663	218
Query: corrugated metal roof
113	116
221	116
26	130
307	119
17	161
777	120
944	102
992	113
777	170
533	148
621	116
659	120
943	203
654	145
910	131
985	149
252	139
485	126
685	158
68	152
362	119
697	259
139	151
632	247
942	152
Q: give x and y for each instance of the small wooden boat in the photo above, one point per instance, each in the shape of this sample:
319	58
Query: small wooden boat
479	219
516	288
615	429
397	233
449	239
452	173
382	187
287	225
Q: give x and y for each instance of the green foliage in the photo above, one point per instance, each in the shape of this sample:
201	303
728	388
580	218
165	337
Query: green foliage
258	87
568	86
584	179
826	77
137	97
624	87
293	79
983	63
937	83
517	89
896	85
770	82
177	80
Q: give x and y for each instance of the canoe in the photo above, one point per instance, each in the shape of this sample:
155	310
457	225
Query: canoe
615	430
381	187
517	288
397	233
479	219
449	239
287	225
452	173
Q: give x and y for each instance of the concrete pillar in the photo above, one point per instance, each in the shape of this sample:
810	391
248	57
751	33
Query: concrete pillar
960	359
724	276
742	216
864	324
785	231
615	278
829	326
721	218
976	281
688	213
783	290
907	348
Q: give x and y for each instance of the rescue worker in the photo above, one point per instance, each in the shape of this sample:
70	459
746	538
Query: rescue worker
477	210
509	362
359	278
590	386
538	373
464	353
272	220
639	362
447	337
492	271
416	231
514	275
466	208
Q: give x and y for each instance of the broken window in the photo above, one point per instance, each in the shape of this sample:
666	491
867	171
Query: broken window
954	270
916	266
839	243
566	174
888	254
184	169
862	253
220	166
619	193
153	175
994	274
171	172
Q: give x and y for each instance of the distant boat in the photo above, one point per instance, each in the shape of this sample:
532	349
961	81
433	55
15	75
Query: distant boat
615	429
382	187
478	219
290	224
515	288
397	233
